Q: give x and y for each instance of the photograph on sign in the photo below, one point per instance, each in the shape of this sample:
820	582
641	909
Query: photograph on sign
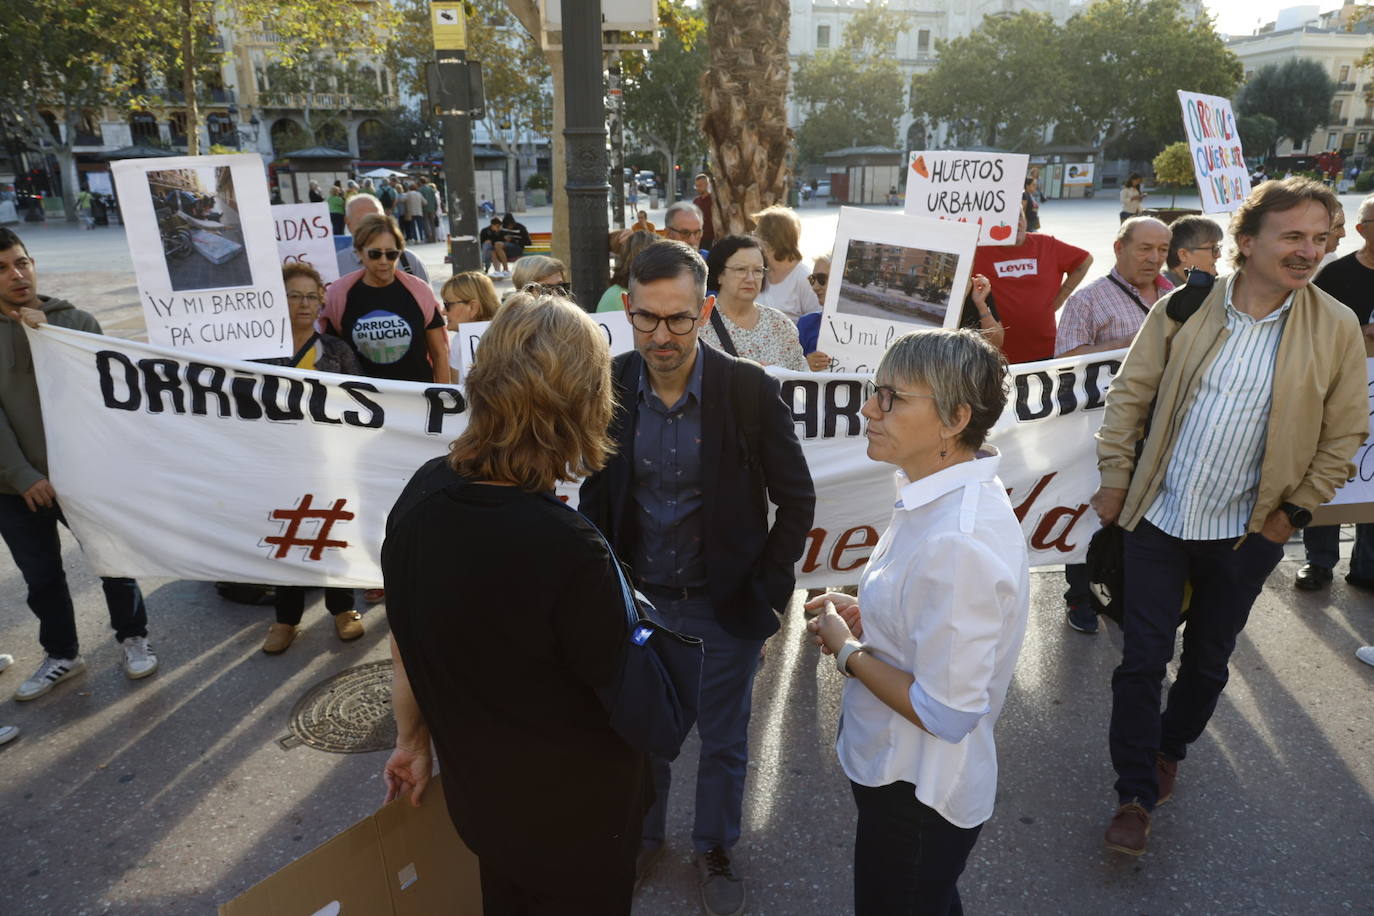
1223	179
968	187
897	273
1078	173
204	250
305	236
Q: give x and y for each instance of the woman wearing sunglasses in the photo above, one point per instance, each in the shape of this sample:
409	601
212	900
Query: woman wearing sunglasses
941	610
391	319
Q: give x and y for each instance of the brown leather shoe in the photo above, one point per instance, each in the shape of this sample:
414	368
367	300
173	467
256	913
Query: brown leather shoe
279	638
1166	771
349	625
1128	830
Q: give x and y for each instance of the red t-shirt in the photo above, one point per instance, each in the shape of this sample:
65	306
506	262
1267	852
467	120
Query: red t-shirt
1025	279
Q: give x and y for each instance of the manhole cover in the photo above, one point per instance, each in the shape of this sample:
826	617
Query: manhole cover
349	713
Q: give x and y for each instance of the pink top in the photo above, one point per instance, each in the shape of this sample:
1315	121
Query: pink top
336	298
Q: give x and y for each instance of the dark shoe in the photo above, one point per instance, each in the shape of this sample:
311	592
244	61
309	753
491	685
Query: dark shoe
722	891
1357	581
645	861
1128	830
1313	578
1082	617
1166	771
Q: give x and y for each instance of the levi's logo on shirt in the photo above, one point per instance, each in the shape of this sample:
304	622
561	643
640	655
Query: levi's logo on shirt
1025	267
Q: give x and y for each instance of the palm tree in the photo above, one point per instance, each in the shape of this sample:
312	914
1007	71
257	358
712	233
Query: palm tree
745	93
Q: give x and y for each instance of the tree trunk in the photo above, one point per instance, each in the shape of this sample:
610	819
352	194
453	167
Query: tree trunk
66	163
745	97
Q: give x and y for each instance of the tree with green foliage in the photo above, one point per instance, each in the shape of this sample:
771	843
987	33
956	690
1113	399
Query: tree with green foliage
1258	134
1297	94
662	93
1174	169
1123	61
1001	85
852	95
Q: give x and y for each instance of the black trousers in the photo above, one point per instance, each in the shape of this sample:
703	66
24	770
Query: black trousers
907	858
290	602
604	892
1227	576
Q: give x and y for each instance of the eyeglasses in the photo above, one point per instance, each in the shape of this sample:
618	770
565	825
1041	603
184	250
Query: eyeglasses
685	233
454	303
886	395
548	289
751	272
819	279
304	297
679	325
1214	249
374	254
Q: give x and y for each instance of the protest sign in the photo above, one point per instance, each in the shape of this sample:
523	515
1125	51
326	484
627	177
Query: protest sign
203	247
980	188
202	468
305	235
1223	180
891	274
462	344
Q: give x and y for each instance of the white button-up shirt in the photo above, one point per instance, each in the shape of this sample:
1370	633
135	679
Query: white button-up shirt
945	596
1212	480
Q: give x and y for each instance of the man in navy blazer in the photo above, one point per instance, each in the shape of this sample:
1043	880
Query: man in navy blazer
704	442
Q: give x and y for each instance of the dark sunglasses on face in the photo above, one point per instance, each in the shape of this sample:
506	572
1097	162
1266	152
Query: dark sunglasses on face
548	289
375	253
819	279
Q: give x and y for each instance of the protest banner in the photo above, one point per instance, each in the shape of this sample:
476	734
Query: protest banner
892	273
462	343
305	235
1223	180
203	247
980	188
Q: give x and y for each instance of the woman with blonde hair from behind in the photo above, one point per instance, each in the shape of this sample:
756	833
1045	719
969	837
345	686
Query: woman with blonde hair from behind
480	530
779	229
550	273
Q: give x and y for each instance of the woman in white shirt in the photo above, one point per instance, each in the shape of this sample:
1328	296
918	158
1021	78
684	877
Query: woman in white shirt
942	610
779	229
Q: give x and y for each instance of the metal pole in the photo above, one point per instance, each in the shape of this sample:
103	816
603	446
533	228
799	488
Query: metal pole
585	141
460	192
615	123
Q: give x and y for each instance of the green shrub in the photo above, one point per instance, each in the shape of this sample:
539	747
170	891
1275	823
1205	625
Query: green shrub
1365	180
537	182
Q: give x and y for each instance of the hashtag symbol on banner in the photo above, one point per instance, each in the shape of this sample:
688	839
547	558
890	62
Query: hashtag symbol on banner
306	512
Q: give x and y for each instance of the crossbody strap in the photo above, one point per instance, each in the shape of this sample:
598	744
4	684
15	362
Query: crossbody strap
718	323
1130	291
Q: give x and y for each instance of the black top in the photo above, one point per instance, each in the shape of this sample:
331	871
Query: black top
492	235
518	234
385	327
1351	282
507	613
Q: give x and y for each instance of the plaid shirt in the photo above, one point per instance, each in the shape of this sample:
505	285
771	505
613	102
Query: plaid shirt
1102	311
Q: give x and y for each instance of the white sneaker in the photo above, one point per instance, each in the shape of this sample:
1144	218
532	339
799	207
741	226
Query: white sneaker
6	661
8	733
52	672
1365	654
139	660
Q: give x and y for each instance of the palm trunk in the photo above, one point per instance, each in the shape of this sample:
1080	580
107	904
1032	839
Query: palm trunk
745	120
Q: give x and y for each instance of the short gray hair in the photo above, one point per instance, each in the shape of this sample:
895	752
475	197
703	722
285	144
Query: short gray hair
1191	231
358	201
682	206
1128	228
1367	208
959	367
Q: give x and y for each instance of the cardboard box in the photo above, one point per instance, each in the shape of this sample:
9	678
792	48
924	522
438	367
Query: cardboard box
403	861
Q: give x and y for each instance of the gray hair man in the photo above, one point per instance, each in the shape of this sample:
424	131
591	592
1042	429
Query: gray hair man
683	222
360	206
1349	279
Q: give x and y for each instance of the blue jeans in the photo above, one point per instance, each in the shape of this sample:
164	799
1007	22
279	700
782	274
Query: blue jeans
727	685
37	551
907	858
1323	545
1227	576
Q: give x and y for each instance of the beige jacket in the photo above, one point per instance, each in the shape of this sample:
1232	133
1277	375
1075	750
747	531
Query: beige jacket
1318	418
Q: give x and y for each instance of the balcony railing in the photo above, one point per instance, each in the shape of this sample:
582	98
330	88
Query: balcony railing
328	101
1364	122
178	96
1345	87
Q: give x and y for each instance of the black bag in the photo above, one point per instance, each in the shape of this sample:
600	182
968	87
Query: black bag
653	701
1107	573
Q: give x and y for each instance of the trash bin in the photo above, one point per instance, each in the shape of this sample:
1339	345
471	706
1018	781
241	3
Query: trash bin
100	214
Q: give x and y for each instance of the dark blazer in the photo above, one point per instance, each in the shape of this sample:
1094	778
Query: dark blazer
750	568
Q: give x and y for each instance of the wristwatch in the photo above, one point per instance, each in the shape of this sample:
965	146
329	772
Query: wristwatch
1298	517
842	657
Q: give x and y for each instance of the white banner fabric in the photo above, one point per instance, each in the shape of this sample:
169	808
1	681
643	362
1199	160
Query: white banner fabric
200	468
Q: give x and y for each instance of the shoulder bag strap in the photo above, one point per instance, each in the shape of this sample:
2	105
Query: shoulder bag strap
1130	291
718	323
626	593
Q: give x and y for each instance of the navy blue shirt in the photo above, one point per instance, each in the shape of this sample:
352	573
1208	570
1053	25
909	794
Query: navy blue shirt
667	489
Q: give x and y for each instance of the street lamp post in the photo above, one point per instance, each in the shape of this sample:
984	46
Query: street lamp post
585	143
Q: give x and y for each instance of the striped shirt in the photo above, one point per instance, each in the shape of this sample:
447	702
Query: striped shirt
1212	479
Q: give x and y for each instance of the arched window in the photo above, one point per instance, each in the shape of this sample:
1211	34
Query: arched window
369	135
332	134
221	129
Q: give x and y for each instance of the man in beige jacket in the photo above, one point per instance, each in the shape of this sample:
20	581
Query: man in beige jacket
1259	403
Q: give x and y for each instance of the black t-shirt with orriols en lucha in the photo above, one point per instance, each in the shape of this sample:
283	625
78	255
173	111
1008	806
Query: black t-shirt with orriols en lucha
386	327
1351	282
